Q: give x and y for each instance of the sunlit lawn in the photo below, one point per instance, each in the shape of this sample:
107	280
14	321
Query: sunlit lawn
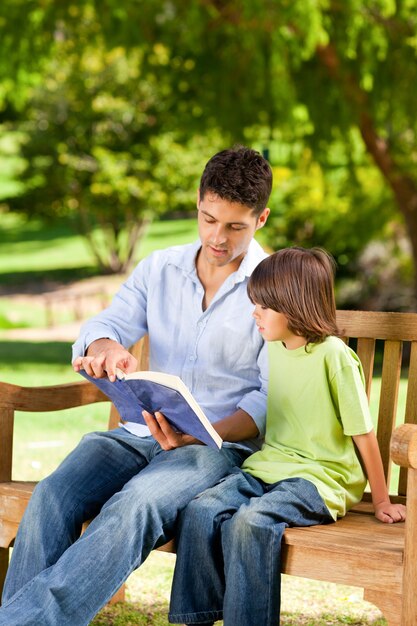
33	249
32	253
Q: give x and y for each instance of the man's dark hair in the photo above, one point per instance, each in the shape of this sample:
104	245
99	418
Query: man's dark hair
238	174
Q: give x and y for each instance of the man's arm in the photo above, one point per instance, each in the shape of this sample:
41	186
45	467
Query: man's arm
235	427
385	511
102	358
121	324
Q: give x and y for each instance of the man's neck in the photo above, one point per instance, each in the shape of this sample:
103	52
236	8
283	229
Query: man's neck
212	277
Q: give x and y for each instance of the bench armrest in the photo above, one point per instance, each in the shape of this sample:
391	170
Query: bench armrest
404	445
35	399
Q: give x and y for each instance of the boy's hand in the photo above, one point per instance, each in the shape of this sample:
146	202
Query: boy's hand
164	434
390	513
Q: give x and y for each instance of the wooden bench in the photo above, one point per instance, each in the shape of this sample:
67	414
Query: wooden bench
357	550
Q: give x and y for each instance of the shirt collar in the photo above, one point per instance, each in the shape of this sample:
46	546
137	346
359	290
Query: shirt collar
186	259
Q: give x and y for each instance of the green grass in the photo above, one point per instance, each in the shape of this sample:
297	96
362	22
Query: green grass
35	256
34	251
304	602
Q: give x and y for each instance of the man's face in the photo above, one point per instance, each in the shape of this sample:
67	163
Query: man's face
226	229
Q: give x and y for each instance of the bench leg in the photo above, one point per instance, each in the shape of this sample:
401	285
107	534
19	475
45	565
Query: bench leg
4	564
119	596
389	604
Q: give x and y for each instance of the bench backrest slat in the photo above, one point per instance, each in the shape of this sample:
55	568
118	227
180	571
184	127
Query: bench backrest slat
391	371
366	352
410	407
6	440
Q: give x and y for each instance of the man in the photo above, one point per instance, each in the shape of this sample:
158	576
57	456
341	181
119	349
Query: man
133	481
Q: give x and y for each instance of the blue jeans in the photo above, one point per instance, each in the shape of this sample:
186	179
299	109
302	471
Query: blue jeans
135	490
229	549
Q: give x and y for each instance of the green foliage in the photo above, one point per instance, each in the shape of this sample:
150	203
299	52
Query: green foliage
118	95
337	208
94	145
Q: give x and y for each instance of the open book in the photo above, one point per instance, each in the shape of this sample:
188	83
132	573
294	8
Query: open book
156	391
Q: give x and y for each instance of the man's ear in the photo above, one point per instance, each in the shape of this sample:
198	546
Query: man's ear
262	219
198	197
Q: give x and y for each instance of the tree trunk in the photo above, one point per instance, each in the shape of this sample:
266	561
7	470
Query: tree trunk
115	257
403	187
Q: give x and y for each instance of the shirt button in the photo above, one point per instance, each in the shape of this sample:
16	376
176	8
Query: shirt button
192	358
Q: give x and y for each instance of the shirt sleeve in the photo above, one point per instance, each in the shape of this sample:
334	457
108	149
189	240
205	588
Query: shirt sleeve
349	397
255	402
125	319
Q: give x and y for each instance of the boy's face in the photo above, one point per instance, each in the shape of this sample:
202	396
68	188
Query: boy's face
273	326
226	229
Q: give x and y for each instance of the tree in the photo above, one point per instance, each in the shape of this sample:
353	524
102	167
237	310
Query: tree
321	70
326	70
326	75
94	144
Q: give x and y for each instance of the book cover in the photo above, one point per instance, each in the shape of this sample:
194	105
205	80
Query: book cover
156	391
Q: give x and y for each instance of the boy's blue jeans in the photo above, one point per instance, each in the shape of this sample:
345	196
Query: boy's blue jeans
229	549
135	490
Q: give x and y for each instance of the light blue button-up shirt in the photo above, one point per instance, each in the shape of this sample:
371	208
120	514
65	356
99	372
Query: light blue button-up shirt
218	352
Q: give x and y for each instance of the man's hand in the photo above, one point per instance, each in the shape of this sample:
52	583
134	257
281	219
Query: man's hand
103	357
390	513
161	430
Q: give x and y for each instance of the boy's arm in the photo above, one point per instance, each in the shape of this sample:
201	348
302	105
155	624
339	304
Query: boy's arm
385	511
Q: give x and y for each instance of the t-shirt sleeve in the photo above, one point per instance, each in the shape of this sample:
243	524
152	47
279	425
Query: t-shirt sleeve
349	396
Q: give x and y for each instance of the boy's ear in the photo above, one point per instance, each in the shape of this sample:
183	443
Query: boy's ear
198	197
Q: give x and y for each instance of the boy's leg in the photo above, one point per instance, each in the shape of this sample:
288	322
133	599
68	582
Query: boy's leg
251	544
117	541
198	584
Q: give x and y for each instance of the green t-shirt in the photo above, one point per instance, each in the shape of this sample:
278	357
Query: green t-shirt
316	403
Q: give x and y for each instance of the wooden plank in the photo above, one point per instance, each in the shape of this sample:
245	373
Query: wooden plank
391	370
410	408
49	398
366	353
6	443
359	569
4	564
365	506
141	352
378	325
389	604
409	607
355	540
411	401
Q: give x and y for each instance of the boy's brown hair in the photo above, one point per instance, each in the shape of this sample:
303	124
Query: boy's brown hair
298	282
